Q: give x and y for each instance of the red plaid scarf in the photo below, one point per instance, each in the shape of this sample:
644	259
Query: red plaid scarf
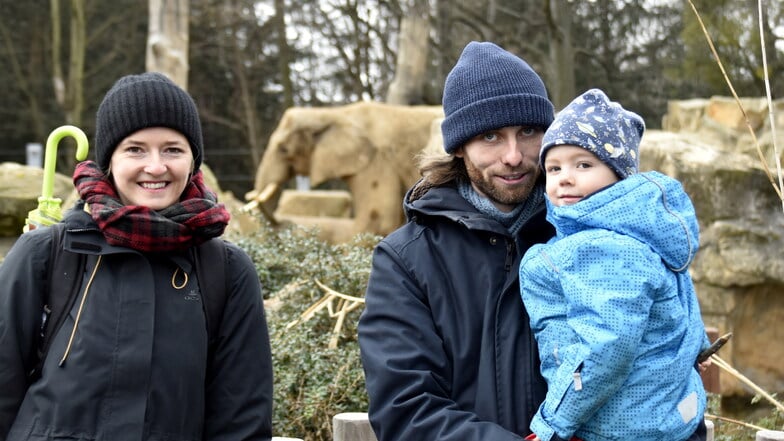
196	218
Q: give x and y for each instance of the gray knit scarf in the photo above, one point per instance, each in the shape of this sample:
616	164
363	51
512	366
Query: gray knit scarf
515	219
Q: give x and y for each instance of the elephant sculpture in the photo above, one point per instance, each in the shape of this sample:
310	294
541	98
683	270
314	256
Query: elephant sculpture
370	146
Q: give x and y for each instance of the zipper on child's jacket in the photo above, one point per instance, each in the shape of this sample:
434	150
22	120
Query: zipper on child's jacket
578	380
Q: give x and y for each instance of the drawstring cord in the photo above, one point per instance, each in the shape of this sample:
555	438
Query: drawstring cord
79	312
174	279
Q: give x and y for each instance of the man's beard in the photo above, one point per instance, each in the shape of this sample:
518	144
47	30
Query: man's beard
501	194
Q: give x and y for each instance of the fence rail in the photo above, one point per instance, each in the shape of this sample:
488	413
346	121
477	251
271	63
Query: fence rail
355	426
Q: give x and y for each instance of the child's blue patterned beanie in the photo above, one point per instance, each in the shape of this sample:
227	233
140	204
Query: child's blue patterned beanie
601	126
490	88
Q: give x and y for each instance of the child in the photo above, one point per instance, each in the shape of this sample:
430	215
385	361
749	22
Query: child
610	298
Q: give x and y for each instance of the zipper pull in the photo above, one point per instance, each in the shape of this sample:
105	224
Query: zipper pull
509	255
578	381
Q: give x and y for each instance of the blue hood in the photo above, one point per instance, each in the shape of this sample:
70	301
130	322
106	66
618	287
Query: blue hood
649	207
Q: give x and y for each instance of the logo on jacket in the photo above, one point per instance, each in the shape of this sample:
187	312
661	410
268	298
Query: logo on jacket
192	295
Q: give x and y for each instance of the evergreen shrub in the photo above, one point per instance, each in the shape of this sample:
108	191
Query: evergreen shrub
312	383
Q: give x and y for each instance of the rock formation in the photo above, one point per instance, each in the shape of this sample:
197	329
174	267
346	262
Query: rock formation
739	269
20	187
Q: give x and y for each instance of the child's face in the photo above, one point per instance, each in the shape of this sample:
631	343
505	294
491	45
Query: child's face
573	173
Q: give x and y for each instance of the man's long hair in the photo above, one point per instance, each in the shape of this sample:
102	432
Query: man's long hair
437	168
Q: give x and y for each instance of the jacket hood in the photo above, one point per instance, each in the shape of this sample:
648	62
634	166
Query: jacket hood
650	207
422	199
445	201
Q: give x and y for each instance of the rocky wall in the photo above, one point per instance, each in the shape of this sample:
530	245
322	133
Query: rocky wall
739	270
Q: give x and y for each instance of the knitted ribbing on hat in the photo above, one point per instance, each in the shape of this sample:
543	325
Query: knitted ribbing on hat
137	102
601	126
490	88
196	218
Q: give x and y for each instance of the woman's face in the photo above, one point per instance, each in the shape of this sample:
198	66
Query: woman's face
151	167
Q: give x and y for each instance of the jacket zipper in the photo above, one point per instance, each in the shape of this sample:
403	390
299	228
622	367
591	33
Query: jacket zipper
509	255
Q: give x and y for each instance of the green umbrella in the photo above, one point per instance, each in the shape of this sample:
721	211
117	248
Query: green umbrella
48	211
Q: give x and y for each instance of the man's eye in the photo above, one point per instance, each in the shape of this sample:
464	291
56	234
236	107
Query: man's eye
489	136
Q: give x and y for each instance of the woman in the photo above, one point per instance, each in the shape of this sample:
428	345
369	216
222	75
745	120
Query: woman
133	359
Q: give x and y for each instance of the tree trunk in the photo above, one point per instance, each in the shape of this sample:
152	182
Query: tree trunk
69	92
75	89
247	97
561	74
167	40
284	54
408	87
58	81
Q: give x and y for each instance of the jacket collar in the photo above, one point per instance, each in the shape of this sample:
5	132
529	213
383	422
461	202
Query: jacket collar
446	202
83	236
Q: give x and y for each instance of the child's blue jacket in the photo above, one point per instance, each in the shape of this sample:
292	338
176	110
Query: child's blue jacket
615	315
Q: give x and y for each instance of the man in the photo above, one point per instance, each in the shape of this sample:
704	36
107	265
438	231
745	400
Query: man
445	342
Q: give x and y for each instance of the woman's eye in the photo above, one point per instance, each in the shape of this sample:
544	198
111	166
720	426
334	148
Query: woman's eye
173	151
133	149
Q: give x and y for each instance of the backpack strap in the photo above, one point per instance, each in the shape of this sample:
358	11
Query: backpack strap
213	284
61	290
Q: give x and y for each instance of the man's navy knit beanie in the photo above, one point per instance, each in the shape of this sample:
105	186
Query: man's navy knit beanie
137	102
490	88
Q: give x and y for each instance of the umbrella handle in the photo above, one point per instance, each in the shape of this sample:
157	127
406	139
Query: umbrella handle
50	158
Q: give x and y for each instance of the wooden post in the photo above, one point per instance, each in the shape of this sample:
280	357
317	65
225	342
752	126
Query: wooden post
352	426
770	435
709	430
167	39
710	378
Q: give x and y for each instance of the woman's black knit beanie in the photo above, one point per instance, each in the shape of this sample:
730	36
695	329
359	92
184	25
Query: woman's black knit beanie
136	102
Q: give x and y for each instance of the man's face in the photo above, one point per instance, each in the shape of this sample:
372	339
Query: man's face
503	164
